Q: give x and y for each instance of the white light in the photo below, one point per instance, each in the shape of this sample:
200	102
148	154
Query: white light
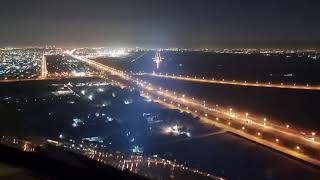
157	59
259	133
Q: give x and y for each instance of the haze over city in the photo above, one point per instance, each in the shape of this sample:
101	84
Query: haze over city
185	24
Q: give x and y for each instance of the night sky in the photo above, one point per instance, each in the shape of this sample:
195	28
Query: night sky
161	23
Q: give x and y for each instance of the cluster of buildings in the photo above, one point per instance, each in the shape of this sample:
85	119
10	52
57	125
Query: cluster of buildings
20	63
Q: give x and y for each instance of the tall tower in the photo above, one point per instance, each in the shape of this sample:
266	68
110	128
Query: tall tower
44	71
157	58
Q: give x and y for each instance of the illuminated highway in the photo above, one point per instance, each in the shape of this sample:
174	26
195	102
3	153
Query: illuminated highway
301	144
283	138
233	82
26	79
41	79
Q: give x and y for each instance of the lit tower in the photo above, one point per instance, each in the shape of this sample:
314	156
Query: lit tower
44	71
157	58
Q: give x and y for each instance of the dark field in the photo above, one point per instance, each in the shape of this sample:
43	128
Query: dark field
240	67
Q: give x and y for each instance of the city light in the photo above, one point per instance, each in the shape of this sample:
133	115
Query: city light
160	90
196	105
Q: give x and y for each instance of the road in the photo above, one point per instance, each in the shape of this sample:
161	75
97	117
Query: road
234	83
40	78
290	140
26	79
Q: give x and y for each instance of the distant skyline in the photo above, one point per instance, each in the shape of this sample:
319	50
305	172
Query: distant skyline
166	23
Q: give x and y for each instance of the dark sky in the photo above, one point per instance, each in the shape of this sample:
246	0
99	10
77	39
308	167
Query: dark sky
161	23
